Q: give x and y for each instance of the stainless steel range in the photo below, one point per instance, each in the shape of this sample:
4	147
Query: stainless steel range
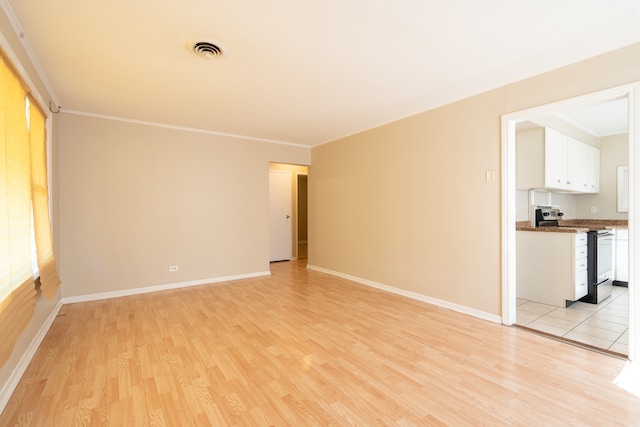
545	216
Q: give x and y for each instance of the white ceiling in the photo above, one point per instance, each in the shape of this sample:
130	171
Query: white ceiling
304	72
610	118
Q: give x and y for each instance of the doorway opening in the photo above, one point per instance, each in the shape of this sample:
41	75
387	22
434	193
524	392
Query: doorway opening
302	239
287	212
512	203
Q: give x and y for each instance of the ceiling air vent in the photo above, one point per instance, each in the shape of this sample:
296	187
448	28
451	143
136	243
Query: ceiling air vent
207	49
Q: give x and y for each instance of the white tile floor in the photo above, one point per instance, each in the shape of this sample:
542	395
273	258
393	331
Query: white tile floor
605	325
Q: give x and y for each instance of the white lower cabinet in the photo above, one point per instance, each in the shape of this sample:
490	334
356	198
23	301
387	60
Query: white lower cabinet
551	267
582	279
581	276
622	255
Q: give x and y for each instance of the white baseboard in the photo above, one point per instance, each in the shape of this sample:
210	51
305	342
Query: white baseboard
9	387
413	295
148	289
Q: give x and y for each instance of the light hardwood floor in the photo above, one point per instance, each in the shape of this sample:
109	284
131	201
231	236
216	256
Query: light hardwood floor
304	348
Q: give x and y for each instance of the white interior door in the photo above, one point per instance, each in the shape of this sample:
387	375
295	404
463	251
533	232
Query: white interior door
279	215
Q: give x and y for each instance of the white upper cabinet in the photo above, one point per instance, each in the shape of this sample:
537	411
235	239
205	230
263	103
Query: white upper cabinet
555	159
593	171
578	165
548	159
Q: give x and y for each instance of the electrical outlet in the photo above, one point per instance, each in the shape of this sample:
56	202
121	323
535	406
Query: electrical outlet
173	268
594	209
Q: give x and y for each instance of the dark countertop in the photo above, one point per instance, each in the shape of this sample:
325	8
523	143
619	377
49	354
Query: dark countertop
575	225
528	227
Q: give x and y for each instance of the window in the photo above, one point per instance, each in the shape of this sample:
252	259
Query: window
24	212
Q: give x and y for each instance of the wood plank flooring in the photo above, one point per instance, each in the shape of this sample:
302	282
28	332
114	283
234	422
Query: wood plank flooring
303	348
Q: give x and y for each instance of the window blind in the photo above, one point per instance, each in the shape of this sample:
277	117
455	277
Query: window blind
23	193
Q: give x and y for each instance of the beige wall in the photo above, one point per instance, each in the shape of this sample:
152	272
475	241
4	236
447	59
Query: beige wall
43	309
136	199
614	152
406	204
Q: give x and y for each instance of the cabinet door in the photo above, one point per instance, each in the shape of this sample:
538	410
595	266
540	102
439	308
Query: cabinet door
555	159
622	256
576	165
581	288
593	171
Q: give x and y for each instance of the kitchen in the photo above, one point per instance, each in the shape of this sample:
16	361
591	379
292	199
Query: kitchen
570	202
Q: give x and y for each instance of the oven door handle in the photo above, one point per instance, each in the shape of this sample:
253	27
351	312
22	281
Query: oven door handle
605	234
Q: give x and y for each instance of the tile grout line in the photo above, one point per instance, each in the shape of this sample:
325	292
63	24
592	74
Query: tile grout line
590	316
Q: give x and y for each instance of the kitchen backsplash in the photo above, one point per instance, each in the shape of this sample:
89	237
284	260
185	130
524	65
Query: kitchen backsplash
565	201
568	204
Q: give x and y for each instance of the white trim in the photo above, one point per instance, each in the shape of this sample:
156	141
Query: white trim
413	295
508	200
157	288
181	128
508	222
16	375
634	223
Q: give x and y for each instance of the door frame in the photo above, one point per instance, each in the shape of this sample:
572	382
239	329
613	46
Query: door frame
508	165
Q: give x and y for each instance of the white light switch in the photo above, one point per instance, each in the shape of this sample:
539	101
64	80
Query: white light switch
490	176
